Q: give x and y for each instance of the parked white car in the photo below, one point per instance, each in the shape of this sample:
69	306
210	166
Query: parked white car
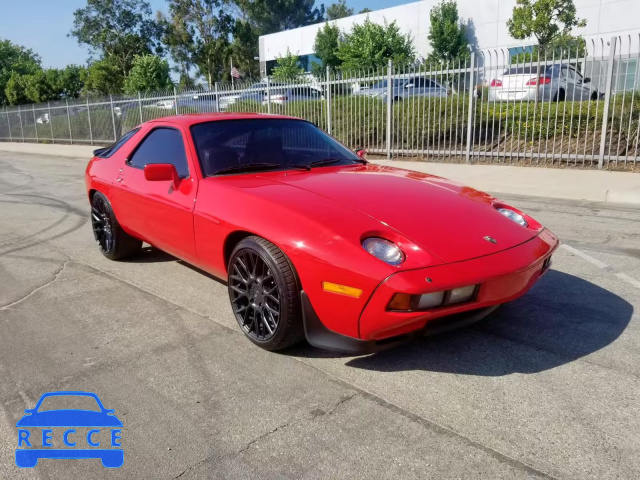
281	96
558	82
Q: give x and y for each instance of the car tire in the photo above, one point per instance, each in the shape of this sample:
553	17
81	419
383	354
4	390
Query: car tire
560	96
113	242
263	285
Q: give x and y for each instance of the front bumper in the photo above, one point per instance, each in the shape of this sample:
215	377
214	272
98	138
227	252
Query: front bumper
503	277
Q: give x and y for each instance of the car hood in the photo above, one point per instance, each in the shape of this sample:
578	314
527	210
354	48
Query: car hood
444	217
69	418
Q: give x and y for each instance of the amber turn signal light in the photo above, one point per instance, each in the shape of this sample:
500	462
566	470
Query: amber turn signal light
400	301
341	289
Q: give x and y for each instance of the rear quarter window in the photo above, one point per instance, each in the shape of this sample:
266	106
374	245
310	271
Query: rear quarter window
114	147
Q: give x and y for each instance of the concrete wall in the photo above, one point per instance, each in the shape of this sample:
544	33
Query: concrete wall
486	20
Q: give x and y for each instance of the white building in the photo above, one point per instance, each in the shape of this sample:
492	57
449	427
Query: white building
486	24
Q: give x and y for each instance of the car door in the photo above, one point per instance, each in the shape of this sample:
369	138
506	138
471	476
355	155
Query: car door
573	93
566	83
159	212
583	90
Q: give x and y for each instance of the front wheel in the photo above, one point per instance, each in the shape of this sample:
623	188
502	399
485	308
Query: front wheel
265	294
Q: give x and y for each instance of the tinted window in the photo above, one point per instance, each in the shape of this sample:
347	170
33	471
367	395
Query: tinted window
162	145
383	84
114	147
528	70
284	143
423	83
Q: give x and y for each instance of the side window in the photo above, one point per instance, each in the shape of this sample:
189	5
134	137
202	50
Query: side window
571	72
564	73
578	75
162	145
113	148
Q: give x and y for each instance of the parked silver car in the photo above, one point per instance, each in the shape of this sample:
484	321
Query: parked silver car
296	93
402	88
558	82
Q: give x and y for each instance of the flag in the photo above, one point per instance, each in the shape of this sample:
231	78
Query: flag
235	73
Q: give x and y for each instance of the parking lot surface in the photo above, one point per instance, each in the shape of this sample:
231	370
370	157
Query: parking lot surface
547	387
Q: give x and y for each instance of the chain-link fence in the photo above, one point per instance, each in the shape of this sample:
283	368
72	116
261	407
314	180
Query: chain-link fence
556	109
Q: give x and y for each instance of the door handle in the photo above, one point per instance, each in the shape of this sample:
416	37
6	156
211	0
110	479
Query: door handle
119	179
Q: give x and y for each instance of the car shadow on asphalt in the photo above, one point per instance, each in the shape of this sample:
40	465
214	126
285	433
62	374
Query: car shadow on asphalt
149	254
562	319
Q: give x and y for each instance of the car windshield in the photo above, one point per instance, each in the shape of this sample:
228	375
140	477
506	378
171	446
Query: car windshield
383	84
234	146
69	402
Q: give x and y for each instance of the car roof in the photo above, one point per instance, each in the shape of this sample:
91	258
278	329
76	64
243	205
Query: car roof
189	119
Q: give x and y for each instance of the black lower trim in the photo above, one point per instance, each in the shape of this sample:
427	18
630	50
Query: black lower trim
320	336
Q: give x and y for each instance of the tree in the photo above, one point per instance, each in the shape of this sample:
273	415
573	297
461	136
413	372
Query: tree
70	81
338	10
447	34
370	46
117	29
18	60
207	26
179	43
546	20
365	10
148	73
326	46
269	16
103	77
41	86
16	89
244	48
287	68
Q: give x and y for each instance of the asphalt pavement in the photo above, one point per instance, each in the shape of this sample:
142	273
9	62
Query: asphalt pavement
547	387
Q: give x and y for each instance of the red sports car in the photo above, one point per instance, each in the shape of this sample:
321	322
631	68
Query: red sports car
311	238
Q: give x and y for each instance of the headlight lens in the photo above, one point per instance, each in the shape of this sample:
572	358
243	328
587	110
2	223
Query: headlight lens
511	215
384	250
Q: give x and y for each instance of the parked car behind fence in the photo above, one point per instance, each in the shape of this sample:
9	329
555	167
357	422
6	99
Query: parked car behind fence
557	83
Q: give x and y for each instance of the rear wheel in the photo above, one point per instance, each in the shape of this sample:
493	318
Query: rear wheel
113	242
559	97
265	294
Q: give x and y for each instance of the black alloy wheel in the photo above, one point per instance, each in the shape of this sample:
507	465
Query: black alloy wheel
101	223
265	294
256	302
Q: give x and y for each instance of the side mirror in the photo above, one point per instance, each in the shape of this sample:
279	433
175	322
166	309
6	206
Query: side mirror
586	80
362	153
161	172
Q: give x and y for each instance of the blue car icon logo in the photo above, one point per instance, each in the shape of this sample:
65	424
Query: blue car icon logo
66	432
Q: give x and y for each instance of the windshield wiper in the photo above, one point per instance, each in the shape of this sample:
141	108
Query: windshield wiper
248	167
324	161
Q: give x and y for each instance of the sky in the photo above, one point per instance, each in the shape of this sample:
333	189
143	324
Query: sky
43	25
